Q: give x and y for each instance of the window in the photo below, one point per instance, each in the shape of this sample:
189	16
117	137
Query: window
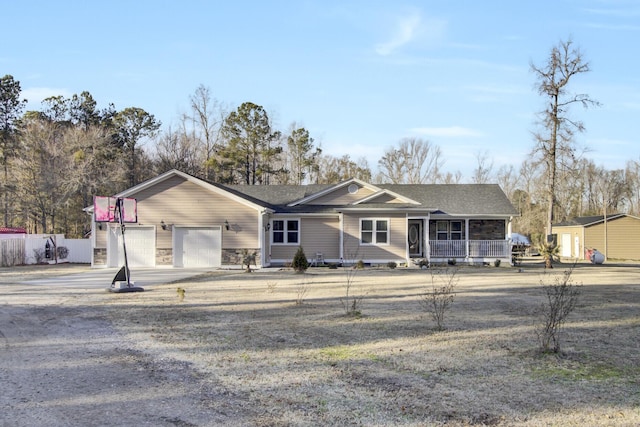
442	230
447	230
374	231
456	230
285	231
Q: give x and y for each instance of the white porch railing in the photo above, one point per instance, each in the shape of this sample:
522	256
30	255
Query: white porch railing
447	248
477	249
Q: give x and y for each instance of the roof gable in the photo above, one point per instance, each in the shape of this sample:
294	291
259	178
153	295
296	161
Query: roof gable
131	192
344	193
385	196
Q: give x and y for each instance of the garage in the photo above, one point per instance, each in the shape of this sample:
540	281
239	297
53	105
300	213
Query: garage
141	247
197	247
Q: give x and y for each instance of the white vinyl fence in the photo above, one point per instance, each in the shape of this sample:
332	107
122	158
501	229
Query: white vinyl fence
31	249
11	252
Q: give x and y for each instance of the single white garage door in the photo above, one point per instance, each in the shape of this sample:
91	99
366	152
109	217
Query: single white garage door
197	247
141	247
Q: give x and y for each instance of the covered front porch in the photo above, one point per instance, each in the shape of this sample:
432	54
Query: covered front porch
461	240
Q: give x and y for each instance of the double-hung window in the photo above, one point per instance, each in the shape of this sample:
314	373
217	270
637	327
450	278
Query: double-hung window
374	231
285	231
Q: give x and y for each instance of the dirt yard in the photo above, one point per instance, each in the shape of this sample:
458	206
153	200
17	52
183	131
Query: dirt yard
274	348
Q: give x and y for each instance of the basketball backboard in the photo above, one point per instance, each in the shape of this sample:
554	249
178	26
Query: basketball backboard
105	209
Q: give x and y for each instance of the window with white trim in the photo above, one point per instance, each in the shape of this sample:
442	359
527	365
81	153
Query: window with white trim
447	230
285	231
456	230
374	231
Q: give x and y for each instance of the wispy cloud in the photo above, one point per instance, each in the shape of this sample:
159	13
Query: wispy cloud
448	132
410	28
405	31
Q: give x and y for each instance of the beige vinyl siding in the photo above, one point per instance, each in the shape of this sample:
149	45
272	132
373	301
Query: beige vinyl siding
179	202
623	238
395	250
574	232
385	198
321	235
101	236
341	196
317	234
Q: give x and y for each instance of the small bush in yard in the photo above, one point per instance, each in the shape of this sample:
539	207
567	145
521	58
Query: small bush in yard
300	262
440	294
301	292
392	265
560	298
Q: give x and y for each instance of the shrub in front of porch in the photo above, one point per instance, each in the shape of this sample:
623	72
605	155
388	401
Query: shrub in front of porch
300	262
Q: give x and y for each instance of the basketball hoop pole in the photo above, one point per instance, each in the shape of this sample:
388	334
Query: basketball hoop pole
124	271
120	209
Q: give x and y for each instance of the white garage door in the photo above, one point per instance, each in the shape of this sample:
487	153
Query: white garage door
141	247
197	247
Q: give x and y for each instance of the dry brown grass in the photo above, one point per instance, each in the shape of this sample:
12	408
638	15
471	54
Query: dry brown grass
288	363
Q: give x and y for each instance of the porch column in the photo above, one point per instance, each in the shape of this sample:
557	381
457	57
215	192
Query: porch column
466	237
341	236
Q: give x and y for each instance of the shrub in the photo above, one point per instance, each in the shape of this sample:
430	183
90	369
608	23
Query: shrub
452	261
333	266
496	263
439	295
392	265
560	298
301	292
549	252
62	252
353	296
248	258
300	262
38	254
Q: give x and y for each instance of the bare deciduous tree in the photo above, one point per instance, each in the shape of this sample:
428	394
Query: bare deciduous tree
554	142
206	118
414	161
482	174
179	150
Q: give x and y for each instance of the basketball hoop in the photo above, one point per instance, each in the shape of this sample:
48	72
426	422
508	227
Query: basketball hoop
118	210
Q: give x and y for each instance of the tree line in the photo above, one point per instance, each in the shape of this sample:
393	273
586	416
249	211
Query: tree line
56	159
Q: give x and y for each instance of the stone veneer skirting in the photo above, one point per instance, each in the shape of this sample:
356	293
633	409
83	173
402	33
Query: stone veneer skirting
99	256
164	256
236	256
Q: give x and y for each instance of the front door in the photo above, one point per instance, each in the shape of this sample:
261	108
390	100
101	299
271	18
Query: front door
415	238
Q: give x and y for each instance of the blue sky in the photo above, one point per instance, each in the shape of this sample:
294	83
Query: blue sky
360	75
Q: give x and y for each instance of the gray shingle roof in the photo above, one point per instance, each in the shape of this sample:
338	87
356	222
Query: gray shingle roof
587	220
454	199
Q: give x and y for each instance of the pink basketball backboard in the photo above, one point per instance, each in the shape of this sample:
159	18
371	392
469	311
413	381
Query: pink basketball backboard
105	209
